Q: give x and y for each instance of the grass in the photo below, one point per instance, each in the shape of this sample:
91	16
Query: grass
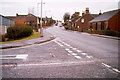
33	36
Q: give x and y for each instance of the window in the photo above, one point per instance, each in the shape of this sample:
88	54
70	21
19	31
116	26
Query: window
82	20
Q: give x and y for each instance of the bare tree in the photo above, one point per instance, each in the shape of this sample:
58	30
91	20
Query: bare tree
66	17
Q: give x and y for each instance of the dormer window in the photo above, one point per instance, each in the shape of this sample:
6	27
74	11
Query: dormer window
82	20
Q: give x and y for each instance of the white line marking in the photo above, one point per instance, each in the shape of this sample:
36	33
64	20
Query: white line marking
84	53
74	54
70	51
79	51
106	65
22	56
116	70
89	56
110	68
67	49
74	48
58	43
78	57
17	56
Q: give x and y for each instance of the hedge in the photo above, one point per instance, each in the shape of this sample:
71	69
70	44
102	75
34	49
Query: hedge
19	32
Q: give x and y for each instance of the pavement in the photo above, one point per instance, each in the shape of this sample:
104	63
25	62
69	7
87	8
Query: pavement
105	36
46	37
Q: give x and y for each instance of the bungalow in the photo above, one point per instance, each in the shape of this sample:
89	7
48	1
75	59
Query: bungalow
4	24
107	21
82	24
22	20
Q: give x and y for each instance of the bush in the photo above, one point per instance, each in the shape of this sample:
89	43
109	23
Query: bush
19	32
2	38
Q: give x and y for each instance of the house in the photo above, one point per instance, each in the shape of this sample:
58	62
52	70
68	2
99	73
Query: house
107	21
4	24
74	17
23	20
82	24
48	21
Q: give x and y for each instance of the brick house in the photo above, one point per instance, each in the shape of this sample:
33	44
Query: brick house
74	17
23	20
107	21
82	24
4	24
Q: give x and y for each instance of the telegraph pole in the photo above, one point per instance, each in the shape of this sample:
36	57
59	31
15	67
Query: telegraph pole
39	27
41	31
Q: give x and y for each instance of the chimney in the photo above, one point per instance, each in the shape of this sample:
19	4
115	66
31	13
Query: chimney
83	13
16	14
100	12
87	10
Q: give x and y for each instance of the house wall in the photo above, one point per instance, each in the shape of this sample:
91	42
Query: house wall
4	24
99	25
23	20
114	22
19	21
84	25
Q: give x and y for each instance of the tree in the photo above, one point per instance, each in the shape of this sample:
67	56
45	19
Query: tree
66	17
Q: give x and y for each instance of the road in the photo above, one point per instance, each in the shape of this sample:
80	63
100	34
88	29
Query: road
71	54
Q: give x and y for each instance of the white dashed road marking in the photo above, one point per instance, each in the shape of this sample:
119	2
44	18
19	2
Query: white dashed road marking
79	51
83	53
106	65
22	56
67	49
71	49
74	54
89	56
109	67
17	56
78	57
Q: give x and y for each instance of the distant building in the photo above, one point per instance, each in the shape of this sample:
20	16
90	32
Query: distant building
74	17
48	21
23	20
30	20
82	24
4	24
107	21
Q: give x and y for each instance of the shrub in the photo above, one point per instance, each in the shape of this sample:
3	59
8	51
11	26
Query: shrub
2	38
19	32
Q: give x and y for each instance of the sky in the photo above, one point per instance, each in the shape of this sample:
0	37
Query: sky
55	8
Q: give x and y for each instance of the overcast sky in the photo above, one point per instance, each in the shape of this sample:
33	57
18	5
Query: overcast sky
55	8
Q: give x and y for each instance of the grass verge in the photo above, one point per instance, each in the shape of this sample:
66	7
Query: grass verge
33	36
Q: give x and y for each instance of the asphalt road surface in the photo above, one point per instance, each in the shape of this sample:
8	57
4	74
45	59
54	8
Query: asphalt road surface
71	54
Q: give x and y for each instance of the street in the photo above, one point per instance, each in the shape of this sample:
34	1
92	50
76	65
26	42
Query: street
71	54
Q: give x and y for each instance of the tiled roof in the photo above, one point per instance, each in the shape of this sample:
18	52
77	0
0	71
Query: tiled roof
105	16
93	15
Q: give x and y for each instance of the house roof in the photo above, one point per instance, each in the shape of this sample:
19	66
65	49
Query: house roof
92	15
105	16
